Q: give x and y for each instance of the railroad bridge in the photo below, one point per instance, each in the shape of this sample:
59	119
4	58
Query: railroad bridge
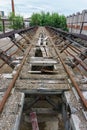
43	80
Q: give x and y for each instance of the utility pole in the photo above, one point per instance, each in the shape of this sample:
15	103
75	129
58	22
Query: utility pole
13	9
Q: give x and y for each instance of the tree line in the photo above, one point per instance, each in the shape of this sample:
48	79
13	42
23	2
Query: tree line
47	19
40	19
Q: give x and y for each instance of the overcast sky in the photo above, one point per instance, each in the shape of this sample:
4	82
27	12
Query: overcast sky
27	7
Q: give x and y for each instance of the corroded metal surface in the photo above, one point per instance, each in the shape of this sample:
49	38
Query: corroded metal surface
50	73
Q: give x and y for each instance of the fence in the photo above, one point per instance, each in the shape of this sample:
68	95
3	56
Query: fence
77	23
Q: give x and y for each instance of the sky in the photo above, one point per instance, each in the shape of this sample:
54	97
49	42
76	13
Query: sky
26	7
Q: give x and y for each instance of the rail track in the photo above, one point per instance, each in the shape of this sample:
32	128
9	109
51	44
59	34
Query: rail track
50	66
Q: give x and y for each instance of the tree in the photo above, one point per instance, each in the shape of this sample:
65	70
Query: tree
63	24
47	19
36	19
55	20
16	21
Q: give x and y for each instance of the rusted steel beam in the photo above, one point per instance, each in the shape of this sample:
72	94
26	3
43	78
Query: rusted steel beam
6	58
72	35
71	47
58	43
84	101
83	54
81	36
77	61
27	39
67	36
51	102
9	48
7	93
58	30
65	47
35	100
14	52
82	73
34	121
2	65
76	48
9	57
8	34
17	44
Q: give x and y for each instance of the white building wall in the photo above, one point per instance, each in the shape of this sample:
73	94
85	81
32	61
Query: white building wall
77	23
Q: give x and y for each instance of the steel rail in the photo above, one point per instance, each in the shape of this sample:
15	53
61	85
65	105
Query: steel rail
84	101
7	93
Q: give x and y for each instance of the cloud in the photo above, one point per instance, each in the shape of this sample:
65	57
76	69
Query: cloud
27	7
